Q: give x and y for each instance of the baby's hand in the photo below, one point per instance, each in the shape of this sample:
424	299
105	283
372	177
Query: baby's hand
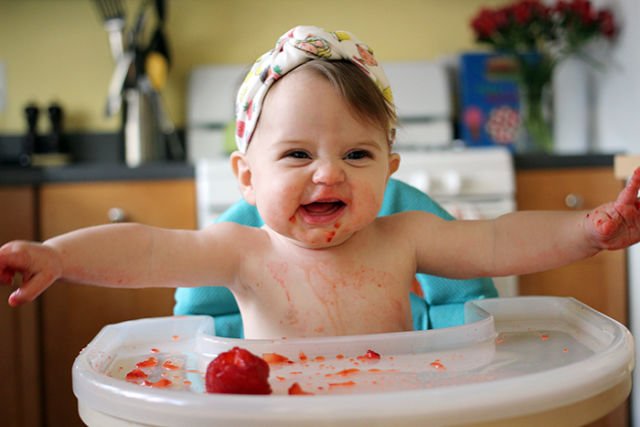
616	225
39	265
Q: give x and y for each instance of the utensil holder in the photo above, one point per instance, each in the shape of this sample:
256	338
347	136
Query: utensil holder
141	129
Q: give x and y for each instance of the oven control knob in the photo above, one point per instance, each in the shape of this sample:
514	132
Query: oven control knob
451	182
421	181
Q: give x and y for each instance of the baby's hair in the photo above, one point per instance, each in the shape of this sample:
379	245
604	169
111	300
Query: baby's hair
360	92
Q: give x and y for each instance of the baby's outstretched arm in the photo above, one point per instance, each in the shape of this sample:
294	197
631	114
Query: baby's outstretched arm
529	241
120	255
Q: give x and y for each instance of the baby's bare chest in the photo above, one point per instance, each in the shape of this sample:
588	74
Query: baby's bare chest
325	298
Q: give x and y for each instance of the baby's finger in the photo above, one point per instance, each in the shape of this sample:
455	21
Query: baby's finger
30	290
629	196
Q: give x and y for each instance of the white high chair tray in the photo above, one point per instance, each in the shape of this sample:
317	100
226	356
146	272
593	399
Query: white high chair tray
516	361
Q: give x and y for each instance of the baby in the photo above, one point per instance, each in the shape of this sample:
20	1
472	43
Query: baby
314	134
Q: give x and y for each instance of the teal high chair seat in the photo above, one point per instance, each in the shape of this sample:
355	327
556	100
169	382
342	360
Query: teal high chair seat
441	306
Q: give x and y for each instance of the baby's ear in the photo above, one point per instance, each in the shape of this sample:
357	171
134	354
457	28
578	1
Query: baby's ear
242	171
394	163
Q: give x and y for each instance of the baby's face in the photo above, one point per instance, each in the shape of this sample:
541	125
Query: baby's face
318	173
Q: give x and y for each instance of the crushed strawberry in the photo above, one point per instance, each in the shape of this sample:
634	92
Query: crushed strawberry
238	371
369	355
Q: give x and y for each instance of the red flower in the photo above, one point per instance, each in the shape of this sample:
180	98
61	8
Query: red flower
484	23
606	23
522	13
554	31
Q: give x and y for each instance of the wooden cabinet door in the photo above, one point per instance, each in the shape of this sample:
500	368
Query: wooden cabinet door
73	314
600	281
19	351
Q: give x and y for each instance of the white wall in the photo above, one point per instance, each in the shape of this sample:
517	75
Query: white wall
618	89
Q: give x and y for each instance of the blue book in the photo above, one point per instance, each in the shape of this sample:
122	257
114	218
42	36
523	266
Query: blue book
489	102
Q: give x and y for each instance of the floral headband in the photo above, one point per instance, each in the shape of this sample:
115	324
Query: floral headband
297	46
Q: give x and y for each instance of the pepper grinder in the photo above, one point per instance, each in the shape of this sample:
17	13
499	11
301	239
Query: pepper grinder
29	142
55	117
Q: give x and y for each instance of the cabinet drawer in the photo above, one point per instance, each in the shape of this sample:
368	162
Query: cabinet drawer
565	189
65	207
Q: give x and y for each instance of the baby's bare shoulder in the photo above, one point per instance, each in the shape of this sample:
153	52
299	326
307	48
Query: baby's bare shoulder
230	234
409	219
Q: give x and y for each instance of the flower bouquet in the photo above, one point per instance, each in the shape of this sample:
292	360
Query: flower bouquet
539	36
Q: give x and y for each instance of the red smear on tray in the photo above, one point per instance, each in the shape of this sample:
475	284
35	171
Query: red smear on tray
148	363
295	389
275	358
155	350
303	357
161	383
343	384
438	365
344	372
369	355
170	365
136	375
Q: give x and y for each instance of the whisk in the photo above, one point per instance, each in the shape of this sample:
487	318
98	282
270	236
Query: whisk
114	20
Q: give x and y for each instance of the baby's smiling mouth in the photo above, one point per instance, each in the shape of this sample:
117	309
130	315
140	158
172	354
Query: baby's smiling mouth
322	211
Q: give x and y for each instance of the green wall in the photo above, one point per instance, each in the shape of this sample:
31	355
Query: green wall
57	50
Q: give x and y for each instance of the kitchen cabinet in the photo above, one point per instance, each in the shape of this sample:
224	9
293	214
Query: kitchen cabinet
600	281
72	314
20	388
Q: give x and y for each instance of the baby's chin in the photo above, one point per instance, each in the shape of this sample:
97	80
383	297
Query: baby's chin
317	239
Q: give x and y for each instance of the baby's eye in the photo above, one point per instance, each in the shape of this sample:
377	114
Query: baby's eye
358	155
297	154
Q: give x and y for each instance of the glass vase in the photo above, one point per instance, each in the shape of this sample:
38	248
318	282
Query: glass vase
536	131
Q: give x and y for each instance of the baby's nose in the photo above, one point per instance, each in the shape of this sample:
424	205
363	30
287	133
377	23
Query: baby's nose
329	172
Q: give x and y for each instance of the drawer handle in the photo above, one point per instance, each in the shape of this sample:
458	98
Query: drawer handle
574	201
116	215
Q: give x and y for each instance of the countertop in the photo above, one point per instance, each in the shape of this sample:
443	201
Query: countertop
112	171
